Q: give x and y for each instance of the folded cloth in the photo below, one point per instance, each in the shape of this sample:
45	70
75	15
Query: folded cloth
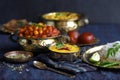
81	65
76	67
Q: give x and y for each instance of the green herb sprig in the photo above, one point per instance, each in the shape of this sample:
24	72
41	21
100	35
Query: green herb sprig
112	51
37	25
59	45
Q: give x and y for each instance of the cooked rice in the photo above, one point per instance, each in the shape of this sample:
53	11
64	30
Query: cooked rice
104	50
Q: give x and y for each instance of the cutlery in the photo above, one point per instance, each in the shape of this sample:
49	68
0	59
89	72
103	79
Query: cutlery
41	65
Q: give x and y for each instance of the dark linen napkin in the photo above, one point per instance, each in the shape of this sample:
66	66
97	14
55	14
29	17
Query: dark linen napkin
76	67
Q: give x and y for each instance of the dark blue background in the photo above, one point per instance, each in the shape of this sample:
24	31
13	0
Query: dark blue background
98	11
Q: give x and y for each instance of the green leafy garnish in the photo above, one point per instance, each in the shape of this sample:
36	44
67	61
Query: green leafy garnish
60	14
37	25
115	44
112	51
59	45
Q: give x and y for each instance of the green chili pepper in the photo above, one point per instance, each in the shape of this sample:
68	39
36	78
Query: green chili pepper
108	64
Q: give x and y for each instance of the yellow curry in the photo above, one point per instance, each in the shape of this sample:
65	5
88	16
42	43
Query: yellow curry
61	16
66	49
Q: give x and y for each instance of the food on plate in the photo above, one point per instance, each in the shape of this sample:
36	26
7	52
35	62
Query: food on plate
86	38
95	57
38	30
18	56
108	64
73	35
111	51
61	16
64	52
109	55
64	48
14	25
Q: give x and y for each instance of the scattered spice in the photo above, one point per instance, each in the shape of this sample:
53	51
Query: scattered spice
19	68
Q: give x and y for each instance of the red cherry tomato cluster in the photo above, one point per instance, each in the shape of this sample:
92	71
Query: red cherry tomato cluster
83	38
38	31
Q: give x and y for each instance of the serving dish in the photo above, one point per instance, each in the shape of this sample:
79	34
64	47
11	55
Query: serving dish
87	55
18	56
64	52
13	25
31	38
65	20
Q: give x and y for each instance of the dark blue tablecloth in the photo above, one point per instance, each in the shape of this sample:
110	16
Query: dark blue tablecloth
9	71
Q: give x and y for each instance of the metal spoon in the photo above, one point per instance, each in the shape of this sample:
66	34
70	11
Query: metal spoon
41	65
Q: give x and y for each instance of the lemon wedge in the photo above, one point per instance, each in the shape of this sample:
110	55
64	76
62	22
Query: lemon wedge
95	57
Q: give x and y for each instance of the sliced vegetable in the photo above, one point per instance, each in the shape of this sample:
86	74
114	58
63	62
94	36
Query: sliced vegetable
108	64
95	57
